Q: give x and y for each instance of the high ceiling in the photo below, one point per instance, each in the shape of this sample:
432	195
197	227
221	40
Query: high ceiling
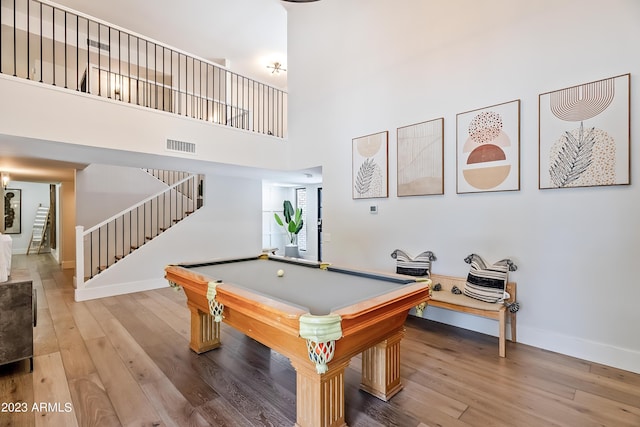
247	35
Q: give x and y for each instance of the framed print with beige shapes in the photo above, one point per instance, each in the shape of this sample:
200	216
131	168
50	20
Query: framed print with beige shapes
370	168
584	135
488	149
421	159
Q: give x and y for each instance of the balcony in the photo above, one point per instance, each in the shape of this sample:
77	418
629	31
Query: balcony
56	46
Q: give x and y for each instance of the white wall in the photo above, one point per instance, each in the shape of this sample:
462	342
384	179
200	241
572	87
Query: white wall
86	120
105	190
365	66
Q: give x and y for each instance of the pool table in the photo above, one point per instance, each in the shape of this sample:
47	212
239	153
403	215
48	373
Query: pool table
316	314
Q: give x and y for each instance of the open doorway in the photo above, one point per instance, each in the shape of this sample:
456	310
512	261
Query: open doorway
274	237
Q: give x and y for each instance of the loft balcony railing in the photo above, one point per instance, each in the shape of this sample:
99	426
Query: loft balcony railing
53	45
101	246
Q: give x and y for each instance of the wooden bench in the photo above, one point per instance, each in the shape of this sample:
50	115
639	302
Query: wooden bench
444	298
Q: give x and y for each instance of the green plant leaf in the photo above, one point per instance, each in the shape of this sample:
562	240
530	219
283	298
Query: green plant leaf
287	211
278	220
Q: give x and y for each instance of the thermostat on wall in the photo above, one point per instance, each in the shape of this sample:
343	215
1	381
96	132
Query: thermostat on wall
373	209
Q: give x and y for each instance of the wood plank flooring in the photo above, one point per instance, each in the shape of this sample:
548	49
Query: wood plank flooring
125	361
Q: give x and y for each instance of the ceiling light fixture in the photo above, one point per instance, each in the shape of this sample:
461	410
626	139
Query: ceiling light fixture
276	67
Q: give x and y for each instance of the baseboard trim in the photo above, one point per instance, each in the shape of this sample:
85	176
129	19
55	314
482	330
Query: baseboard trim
606	354
89	293
592	351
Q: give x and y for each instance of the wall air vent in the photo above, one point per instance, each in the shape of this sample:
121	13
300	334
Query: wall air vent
99	45
181	146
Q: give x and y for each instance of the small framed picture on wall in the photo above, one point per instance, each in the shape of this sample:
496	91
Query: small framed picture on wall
12	211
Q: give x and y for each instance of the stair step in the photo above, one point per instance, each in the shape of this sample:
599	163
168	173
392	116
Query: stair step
118	257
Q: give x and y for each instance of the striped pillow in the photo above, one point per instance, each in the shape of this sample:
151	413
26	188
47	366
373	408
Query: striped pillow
418	266
487	282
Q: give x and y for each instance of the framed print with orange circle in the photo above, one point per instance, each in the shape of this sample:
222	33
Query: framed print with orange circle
488	149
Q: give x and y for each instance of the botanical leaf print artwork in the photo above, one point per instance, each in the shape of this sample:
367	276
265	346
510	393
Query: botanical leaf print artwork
369	166
583	157
584	135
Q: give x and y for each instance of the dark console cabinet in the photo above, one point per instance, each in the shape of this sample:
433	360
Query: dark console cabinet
17	319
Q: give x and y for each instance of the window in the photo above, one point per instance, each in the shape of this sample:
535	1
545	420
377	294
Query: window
301	203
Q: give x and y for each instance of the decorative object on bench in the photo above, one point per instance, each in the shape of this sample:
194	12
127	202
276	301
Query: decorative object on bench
513	307
447	294
418	266
485	281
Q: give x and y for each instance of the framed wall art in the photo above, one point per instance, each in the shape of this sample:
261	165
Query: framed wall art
421	158
488	149
584	135
12	211
370	166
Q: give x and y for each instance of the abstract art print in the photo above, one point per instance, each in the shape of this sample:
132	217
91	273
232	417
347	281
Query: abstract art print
12	211
584	135
488	149
421	159
370	166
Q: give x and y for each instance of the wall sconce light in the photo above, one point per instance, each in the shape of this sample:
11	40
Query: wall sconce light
5	180
276	67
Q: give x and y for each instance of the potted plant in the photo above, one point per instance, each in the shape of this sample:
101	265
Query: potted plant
292	224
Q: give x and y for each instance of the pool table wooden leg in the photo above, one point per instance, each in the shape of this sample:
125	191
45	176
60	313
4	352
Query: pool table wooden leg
381	368
319	397
205	332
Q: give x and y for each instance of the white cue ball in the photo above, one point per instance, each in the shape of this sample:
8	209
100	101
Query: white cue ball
280	273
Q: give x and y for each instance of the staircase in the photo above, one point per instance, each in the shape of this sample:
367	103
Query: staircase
103	245
41	225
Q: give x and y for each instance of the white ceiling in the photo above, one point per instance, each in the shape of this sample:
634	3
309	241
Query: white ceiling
247	35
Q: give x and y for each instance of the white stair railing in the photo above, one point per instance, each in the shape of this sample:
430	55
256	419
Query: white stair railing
104	244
